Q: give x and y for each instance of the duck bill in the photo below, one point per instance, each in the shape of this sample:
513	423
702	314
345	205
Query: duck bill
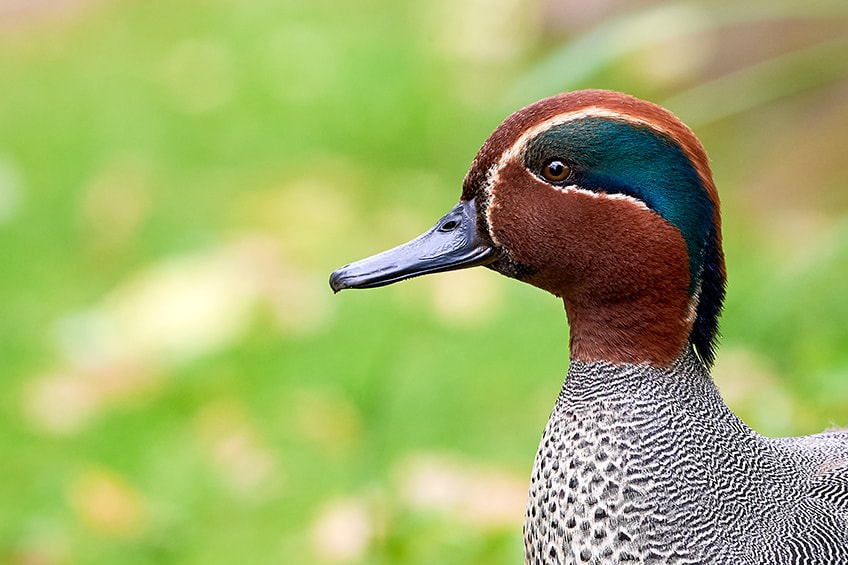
453	243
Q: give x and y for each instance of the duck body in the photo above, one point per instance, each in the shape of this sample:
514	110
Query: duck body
608	202
646	465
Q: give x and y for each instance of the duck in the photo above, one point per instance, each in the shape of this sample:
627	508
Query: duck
608	202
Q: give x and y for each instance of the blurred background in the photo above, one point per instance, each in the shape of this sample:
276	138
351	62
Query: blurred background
179	177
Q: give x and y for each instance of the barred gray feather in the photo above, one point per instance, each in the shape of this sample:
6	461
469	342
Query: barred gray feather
647	465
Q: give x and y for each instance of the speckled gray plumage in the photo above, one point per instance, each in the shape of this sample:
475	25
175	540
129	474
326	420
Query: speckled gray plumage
646	465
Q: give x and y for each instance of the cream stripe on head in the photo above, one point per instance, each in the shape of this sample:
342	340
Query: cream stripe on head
517	148
572	189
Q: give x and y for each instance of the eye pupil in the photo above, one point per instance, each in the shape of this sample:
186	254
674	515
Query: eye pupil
555	170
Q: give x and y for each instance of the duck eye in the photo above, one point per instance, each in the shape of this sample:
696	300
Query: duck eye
556	170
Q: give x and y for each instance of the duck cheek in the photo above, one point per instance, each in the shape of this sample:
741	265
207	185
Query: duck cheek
534	226
590	246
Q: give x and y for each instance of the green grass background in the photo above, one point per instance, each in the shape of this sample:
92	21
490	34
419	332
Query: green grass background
154	155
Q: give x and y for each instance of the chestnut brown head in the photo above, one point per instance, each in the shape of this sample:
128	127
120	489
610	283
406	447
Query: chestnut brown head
602	199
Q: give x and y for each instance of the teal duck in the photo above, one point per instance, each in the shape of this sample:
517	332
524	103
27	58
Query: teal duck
608	202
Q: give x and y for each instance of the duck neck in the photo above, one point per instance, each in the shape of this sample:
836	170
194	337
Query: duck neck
642	329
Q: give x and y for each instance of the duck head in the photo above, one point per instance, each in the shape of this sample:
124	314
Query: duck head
602	199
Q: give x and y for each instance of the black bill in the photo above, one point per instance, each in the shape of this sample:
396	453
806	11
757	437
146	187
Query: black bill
453	243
